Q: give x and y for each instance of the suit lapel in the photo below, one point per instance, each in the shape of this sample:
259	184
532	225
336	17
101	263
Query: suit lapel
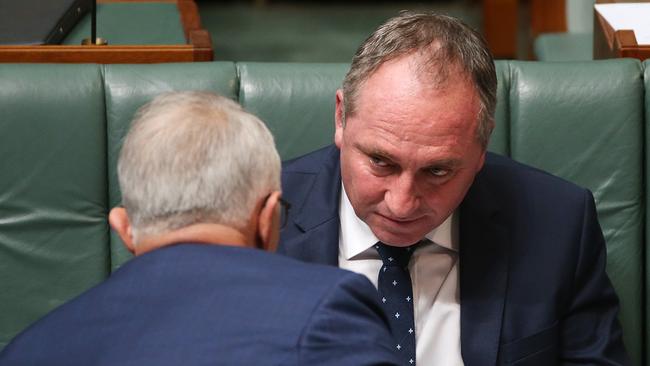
484	245
317	219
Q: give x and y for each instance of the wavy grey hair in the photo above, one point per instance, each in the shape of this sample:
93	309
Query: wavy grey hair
443	44
195	157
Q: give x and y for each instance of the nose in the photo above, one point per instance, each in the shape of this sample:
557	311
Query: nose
402	198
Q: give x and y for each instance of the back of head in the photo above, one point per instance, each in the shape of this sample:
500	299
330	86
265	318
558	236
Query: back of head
195	157
443	44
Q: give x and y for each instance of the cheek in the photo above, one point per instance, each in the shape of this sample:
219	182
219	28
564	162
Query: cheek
452	193
444	199
370	192
364	190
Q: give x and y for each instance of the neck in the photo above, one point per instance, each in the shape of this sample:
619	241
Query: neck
210	234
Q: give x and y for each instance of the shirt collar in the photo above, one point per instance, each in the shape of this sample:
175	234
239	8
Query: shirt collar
355	236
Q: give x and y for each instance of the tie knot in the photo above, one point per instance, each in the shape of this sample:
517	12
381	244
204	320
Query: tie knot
395	256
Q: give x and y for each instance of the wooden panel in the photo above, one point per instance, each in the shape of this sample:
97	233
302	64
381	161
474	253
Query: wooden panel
189	13
614	44
195	35
201	44
500	27
99	54
547	16
198	47
603	38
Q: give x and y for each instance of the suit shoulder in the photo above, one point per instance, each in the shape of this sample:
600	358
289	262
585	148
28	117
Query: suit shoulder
312	162
310	272
350	304
318	170
510	175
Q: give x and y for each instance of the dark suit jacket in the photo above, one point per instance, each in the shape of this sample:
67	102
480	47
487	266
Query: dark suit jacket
197	304
533	288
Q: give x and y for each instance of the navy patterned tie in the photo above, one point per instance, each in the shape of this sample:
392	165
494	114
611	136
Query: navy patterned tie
396	295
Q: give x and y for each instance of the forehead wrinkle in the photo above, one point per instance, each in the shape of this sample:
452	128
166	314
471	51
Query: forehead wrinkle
421	134
406	122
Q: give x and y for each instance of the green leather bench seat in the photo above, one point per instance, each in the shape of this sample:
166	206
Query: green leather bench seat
278	94
61	128
127	87
591	134
53	229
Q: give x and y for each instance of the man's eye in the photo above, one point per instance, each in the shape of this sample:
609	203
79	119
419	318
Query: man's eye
438	172
378	161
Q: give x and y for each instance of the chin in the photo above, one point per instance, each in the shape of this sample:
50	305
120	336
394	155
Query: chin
397	240
399	235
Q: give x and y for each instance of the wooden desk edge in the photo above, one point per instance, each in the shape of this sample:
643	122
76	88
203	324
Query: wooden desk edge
609	43
102	54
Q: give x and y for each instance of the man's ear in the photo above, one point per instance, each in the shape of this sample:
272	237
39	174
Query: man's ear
339	118
119	221
268	223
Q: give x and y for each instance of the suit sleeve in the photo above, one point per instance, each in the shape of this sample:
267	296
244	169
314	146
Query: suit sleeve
591	333
348	328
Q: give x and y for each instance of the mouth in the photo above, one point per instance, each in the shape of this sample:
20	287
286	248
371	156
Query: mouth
399	231
399	221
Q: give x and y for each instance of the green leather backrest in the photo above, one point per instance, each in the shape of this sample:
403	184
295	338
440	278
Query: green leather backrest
296	101
53	231
128	87
646	78
580	121
584	121
61	128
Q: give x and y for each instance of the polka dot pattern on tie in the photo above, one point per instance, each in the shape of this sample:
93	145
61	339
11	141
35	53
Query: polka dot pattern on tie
396	295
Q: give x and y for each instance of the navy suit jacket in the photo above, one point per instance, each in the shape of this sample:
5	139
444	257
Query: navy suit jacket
533	287
197	304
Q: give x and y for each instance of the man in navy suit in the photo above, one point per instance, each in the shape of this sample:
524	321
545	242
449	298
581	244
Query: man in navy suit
200	182
507	263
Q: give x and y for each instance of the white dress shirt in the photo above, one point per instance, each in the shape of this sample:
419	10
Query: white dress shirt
434	274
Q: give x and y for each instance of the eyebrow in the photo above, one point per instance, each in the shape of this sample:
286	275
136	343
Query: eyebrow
370	151
373	151
452	163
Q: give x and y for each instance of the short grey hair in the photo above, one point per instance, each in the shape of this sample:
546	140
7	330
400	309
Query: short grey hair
195	157
443	43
